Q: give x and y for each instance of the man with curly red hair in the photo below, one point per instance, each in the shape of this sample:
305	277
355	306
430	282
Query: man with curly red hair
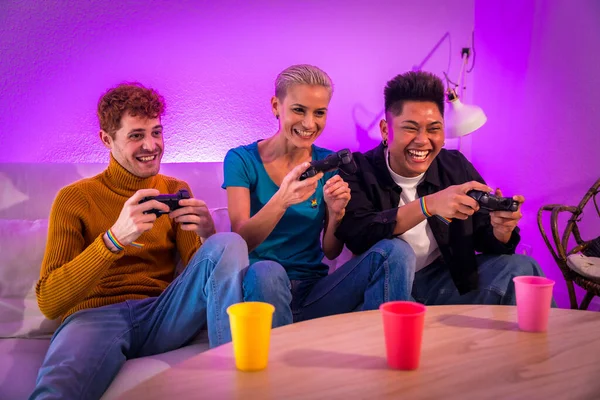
108	271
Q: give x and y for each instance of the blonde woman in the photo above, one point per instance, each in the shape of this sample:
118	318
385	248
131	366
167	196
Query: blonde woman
289	224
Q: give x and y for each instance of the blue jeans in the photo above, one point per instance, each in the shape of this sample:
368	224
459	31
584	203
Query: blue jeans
434	286
383	273
89	348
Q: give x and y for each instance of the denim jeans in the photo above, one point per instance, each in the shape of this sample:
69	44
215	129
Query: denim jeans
89	348
383	273
434	286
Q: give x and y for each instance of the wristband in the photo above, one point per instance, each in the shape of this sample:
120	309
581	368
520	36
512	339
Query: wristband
429	215
424	208
113	239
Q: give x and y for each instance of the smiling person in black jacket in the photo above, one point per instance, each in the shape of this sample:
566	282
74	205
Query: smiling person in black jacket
412	189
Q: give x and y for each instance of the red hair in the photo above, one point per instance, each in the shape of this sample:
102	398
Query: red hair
132	98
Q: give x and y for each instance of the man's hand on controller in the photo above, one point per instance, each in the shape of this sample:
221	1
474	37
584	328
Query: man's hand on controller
132	221
194	216
505	222
453	201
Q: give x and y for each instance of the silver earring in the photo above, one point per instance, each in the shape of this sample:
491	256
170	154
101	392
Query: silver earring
384	142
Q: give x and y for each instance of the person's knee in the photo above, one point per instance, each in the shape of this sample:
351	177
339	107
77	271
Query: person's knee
229	242
228	247
267	281
521	265
500	270
265	276
397	252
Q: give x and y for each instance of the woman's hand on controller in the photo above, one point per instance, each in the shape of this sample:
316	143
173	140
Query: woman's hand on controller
132	221
336	194
293	191
194	215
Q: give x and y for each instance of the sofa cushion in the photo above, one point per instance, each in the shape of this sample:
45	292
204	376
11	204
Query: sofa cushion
141	369
22	249
220	217
22	246
20	360
22	318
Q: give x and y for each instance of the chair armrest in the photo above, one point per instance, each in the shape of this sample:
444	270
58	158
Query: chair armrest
558	248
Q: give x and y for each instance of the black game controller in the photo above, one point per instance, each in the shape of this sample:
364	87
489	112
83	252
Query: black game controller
492	202
171	200
341	160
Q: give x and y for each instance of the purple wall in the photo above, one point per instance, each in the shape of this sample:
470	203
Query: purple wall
537	79
214	61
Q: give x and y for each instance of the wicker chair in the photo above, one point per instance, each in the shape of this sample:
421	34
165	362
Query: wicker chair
560	250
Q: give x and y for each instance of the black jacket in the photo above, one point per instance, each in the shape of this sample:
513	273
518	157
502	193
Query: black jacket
371	213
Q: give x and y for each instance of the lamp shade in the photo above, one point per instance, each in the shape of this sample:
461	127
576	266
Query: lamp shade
462	119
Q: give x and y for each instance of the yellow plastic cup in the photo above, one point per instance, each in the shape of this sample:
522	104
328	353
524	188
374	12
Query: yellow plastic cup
251	333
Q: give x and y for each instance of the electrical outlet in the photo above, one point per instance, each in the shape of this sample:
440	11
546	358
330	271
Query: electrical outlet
524	249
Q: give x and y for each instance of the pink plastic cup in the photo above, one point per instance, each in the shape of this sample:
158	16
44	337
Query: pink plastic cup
403	329
534	295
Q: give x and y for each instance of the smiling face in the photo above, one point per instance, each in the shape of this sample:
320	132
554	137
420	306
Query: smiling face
415	137
137	145
302	113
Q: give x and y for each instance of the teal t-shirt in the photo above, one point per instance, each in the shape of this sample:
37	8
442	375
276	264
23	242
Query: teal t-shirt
295	243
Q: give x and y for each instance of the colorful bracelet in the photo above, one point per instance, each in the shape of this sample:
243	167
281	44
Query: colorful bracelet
429	215
424	208
113	239
138	245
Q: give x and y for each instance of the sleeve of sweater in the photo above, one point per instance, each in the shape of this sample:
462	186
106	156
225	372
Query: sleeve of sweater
70	270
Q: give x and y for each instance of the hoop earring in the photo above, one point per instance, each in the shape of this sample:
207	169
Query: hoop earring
384	142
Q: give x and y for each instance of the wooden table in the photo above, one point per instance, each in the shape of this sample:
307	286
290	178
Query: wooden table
469	352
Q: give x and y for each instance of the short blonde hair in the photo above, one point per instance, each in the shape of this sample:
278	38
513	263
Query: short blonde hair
301	74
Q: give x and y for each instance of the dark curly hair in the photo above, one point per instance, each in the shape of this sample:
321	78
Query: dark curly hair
413	86
133	98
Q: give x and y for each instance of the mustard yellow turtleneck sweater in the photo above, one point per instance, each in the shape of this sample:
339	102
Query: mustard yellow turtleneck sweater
79	271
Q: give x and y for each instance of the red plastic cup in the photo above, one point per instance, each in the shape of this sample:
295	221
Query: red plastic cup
403	328
534	296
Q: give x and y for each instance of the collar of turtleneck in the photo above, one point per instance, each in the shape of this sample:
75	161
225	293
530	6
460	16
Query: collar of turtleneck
124	182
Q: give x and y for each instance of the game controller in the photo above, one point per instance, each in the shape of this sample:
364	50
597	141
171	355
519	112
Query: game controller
171	200
492	202
341	160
